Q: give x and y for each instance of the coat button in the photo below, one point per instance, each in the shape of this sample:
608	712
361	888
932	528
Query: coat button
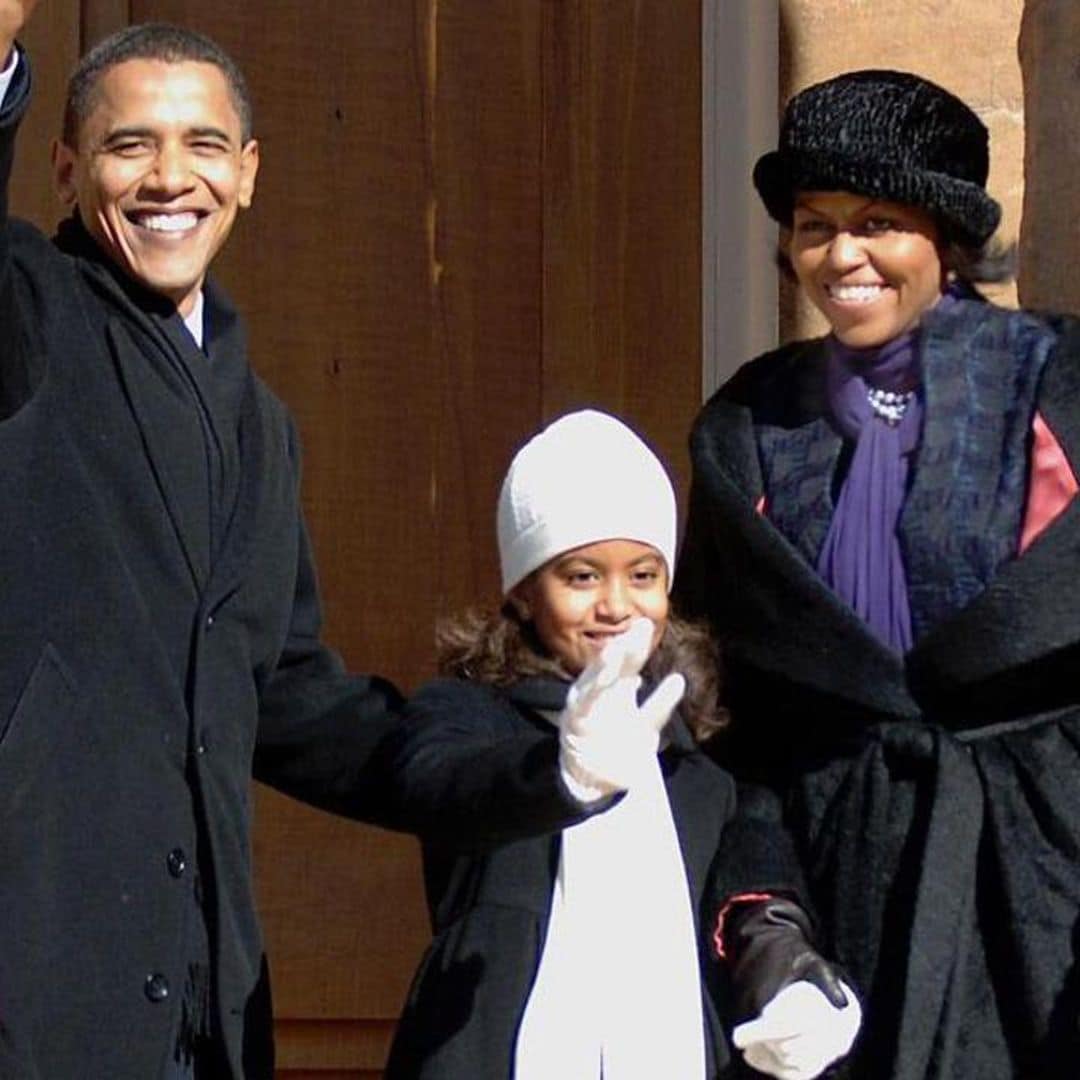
209	622
156	987
176	861
203	745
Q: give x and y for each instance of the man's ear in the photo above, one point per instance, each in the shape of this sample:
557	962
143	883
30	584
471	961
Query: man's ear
64	160
249	168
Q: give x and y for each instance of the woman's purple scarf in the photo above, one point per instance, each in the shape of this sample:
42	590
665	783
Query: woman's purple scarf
861	557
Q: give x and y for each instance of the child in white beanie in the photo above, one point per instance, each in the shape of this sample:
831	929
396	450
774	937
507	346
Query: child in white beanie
567	815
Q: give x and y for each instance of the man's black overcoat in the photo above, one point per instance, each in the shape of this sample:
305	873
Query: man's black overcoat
158	639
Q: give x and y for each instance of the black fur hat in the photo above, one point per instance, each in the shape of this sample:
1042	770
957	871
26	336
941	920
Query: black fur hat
888	134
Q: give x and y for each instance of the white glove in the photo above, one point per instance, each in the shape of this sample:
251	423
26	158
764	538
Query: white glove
605	738
799	1033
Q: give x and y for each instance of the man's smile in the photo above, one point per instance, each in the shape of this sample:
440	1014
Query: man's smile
158	221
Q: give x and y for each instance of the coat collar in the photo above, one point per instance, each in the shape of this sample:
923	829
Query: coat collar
794	626
157	358
1013	637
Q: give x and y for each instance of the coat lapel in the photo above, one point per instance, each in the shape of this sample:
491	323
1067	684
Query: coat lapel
241	527
238	411
159	389
799	464
174	449
213	515
961	520
785	621
780	617
799	450
1024	622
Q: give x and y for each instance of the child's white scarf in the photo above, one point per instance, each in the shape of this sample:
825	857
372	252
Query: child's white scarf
618	990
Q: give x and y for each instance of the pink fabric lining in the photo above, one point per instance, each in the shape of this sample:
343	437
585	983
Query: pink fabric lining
729	903
1051	487
1052	483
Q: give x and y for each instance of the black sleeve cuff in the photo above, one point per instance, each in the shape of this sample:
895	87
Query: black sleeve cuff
17	97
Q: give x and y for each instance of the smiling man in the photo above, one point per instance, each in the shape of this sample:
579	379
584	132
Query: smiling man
160	632
157	159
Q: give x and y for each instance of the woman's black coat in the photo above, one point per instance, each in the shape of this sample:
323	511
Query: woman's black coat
479	781
159	639
934	798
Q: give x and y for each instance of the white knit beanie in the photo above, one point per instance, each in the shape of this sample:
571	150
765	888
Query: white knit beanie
583	479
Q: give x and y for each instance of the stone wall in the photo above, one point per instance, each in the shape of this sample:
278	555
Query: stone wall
968	46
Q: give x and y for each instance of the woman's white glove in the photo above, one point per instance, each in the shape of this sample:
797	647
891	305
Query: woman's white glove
799	1033
606	739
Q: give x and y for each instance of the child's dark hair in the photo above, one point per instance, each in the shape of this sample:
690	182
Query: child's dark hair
500	648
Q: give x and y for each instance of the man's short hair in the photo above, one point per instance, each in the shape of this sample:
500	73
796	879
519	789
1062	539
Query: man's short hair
150	41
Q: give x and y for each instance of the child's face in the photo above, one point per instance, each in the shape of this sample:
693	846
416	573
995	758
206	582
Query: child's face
579	600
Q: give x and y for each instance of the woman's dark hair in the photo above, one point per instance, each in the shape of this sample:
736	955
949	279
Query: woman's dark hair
500	648
989	264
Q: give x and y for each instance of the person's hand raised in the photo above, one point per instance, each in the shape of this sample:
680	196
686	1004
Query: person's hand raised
605	737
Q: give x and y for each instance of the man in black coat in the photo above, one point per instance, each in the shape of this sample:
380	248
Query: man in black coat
160	634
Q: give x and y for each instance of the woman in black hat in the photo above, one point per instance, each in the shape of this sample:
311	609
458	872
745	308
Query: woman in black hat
883	534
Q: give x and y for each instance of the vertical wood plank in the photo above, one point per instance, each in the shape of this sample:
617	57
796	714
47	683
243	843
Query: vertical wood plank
52	40
487	268
622	213
102	17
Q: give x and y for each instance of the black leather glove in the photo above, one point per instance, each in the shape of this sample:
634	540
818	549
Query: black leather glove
767	945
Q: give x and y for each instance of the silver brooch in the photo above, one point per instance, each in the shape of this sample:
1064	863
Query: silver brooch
890	405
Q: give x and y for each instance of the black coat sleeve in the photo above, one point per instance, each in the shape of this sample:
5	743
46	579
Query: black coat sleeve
15	362
758	854
320	727
468	773
699	591
12	109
